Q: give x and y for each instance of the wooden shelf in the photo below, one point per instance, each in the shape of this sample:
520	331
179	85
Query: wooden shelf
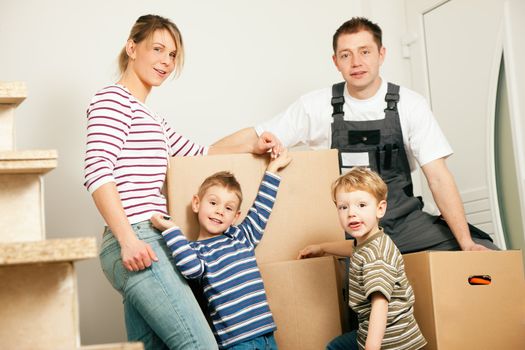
26	162
12	92
114	346
48	251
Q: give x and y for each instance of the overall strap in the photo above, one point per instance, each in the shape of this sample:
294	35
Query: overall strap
392	97
338	100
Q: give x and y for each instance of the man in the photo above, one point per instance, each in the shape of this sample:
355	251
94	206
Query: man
382	126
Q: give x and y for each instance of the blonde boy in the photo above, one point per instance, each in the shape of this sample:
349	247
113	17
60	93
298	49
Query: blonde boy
379	291
222	259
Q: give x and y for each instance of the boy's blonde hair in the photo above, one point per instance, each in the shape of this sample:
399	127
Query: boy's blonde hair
361	179
224	179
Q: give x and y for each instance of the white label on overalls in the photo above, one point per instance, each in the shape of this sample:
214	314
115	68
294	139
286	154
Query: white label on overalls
355	159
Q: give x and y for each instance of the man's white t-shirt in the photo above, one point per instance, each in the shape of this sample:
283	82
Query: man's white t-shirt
308	122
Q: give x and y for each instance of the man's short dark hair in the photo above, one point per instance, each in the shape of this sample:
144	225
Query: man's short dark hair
357	24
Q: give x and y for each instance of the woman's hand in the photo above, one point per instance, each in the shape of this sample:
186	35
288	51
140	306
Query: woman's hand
136	254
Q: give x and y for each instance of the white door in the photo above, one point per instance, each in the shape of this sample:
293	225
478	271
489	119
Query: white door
456	60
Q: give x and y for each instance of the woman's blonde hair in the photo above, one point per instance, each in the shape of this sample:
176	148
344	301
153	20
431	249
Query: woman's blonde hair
143	29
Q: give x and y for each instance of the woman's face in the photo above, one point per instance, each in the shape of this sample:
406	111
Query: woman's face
153	59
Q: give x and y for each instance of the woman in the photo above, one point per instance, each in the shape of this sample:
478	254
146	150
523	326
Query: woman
126	160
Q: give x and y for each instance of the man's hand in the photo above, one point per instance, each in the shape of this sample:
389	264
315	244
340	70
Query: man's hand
474	247
268	142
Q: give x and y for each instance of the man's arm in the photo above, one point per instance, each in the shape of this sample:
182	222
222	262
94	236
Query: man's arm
448	200
244	136
247	141
377	321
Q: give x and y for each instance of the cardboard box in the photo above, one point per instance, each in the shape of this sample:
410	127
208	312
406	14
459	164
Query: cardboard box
303	212
305	296
454	314
305	299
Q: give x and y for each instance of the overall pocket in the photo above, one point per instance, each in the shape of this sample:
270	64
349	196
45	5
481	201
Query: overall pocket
387	162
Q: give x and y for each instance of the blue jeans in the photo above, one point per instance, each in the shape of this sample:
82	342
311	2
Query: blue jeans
263	342
347	341
160	309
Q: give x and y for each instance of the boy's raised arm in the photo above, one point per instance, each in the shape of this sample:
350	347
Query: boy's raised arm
254	224
279	162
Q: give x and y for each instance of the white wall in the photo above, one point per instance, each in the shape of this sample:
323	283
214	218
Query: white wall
246	61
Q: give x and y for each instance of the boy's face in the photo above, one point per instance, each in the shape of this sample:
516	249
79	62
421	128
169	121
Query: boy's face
359	213
217	210
358	59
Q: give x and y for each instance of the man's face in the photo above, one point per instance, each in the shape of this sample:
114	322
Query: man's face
358	59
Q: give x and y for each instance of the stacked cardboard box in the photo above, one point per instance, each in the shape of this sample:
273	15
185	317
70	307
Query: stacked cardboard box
456	312
305	296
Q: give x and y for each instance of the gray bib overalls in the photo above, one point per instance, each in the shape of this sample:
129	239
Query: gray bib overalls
381	142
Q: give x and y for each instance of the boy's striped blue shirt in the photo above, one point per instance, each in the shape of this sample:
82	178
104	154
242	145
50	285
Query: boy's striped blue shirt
226	267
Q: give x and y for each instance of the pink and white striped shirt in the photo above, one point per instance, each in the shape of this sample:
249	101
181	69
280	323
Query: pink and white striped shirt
129	145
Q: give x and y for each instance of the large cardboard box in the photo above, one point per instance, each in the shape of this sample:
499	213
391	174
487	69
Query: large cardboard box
305	296
305	299
303	213
454	314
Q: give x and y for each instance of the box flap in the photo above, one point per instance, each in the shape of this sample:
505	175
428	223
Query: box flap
304	298
417	267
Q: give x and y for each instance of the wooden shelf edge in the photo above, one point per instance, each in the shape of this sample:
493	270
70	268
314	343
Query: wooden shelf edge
12	92
27	161
27	166
114	346
29	154
48	251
